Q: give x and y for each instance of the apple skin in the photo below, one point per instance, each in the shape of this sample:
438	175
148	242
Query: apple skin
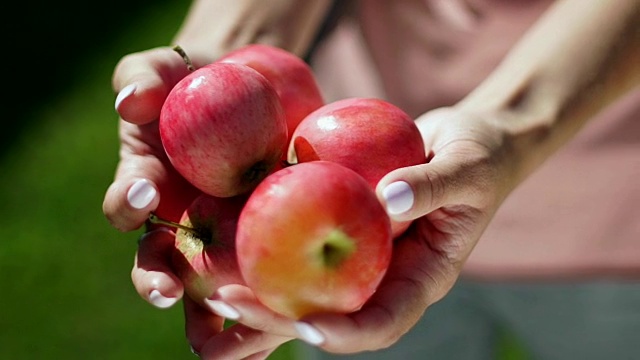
313	237
206	260
223	128
292	78
368	135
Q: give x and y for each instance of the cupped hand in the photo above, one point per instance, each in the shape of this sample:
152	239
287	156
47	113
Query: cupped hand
146	182
426	262
451	199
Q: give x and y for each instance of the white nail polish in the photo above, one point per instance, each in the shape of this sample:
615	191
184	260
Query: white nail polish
160	301
193	351
399	197
223	309
309	334
141	194
125	93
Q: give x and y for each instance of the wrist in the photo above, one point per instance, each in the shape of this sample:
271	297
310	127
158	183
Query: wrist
523	124
574	62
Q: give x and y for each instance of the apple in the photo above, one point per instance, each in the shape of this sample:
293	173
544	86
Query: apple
368	135
223	128
313	237
205	258
291	76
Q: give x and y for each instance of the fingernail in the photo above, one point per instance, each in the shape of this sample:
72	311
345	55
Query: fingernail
160	301
125	93
223	309
398	196
141	194
193	351
309	333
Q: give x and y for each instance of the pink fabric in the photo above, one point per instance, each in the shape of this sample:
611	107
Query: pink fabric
579	214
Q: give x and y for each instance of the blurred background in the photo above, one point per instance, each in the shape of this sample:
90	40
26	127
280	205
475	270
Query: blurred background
65	288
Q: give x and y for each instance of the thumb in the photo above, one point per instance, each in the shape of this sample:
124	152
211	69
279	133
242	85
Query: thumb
412	192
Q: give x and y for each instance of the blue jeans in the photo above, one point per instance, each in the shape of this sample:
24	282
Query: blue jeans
562	320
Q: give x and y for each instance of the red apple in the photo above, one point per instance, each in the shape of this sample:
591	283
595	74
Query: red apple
223	128
292	78
313	237
370	136
205	254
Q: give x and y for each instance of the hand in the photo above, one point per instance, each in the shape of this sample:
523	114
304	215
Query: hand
144	182
452	199
427	260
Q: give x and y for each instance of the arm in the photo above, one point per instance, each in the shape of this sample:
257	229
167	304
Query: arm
577	59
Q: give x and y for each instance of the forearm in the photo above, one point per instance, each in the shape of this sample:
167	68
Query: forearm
213	27
578	58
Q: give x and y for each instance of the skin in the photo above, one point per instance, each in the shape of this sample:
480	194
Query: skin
482	147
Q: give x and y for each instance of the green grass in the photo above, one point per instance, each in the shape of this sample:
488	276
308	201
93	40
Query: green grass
65	286
64	272
65	281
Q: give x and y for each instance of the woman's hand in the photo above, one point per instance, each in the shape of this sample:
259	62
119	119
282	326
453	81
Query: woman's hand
451	198
146	182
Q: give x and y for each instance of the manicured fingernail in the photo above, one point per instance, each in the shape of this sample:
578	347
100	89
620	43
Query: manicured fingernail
309	334
125	93
193	351
398	196
223	309
141	194
160	301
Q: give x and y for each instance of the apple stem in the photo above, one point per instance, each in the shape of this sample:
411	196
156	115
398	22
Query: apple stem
336	248
185	57
155	219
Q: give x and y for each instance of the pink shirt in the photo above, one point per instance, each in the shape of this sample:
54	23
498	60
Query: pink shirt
579	214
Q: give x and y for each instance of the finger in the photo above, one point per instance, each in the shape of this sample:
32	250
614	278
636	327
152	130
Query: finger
467	166
143	80
134	192
454	178
239	341
411	192
237	302
418	277
140	179
200	324
151	275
